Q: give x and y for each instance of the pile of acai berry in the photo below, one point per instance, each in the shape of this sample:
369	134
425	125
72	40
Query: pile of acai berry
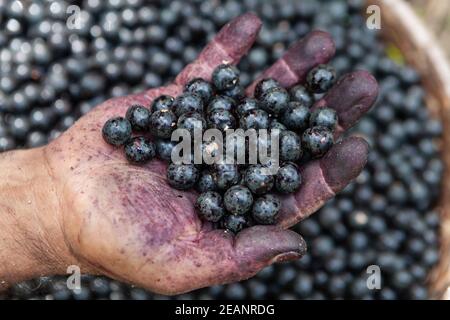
234	195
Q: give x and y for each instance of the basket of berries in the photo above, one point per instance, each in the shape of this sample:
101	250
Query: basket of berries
386	217
421	49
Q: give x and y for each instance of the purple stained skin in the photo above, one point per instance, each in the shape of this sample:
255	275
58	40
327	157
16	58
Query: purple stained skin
323	178
360	90
223	48
315	48
128	223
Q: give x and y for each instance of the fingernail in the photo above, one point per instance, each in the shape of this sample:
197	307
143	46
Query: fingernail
316	48
287	256
238	36
352	96
344	162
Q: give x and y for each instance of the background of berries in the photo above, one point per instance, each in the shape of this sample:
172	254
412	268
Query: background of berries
50	76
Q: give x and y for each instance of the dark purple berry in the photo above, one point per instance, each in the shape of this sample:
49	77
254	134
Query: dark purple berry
275	124
210	207
321	78
225	77
275	100
139	117
317	140
206	182
221	119
200	87
238	200
258	181
255	119
182	176
265	85
265	209
164	149
162	123
296	116
300	94
237	93
234	223
220	102
164	102
246	105
324	117
116	131
225	175
187	102
139	150
288	178
191	121
290	146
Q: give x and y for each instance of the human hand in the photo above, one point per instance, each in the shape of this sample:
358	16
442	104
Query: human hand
126	222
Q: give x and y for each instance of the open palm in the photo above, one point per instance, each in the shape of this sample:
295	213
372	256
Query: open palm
126	222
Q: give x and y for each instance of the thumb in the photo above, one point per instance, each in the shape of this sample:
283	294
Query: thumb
219	257
228	258
259	246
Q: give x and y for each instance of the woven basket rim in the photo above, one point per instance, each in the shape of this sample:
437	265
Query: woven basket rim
402	27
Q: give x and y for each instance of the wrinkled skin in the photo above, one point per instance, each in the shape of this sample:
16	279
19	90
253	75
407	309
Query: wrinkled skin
126	222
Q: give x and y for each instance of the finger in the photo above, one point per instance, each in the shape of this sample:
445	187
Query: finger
219	257
323	178
231	43
314	49
352	96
